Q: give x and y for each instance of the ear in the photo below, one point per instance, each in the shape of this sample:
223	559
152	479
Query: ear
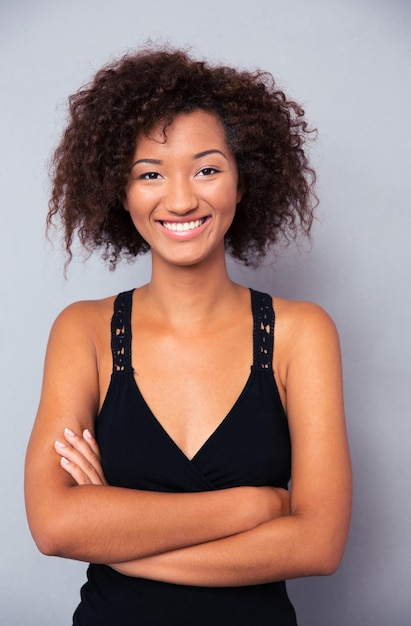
240	191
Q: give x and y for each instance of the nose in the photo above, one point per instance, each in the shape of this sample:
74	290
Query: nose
180	197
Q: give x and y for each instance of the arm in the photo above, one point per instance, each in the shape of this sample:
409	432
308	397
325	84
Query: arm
100	523
311	540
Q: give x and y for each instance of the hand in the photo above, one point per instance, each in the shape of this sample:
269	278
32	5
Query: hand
80	457
276	502
284	497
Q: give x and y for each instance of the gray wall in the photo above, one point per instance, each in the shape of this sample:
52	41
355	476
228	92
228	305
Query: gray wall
349	62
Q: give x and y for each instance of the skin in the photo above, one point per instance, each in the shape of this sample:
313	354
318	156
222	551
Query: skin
230	537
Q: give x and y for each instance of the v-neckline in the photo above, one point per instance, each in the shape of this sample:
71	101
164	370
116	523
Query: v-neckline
216	430
122	357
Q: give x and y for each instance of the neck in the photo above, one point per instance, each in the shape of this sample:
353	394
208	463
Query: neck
189	295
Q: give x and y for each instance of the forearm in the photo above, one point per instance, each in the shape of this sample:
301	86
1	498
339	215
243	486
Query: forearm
75	514
284	548
108	524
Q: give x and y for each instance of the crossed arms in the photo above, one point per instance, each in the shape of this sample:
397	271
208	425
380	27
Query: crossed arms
231	537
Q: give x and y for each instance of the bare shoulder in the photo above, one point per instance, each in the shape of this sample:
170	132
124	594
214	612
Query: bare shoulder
79	338
77	345
85	312
86	319
301	318
304	333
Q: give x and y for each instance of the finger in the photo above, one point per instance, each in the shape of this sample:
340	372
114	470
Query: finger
86	446
75	471
85	467
81	444
92	442
88	449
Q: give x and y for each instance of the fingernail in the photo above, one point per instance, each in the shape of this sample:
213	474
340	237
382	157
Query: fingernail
64	460
87	434
69	432
60	444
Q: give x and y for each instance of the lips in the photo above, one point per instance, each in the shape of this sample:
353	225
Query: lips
183	227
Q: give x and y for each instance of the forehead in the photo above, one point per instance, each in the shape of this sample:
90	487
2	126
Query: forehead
186	129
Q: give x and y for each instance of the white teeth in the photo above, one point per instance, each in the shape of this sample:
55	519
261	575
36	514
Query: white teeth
180	227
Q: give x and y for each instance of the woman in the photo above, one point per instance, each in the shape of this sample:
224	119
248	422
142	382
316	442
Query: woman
169	426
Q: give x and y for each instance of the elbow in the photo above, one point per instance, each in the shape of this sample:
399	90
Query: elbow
324	546
46	546
49	536
328	565
47	541
327	560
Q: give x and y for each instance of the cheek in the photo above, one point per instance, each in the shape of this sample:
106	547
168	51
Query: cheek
137	220
133	209
141	201
139	225
229	202
135	205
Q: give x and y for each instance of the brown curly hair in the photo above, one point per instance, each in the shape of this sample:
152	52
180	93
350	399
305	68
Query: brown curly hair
266	133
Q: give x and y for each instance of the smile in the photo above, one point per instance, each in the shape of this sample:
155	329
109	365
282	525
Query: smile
183	227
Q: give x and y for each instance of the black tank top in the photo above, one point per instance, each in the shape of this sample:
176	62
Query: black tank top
251	446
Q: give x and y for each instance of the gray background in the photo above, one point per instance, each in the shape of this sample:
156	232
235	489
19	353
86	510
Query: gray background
349	63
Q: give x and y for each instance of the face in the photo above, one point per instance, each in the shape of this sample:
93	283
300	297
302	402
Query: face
182	193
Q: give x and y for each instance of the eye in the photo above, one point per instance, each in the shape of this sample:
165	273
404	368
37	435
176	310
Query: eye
208	171
150	176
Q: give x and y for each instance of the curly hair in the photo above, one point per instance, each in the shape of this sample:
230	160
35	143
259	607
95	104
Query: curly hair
266	133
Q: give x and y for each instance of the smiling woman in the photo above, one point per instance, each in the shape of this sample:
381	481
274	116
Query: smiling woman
177	424
191	195
265	132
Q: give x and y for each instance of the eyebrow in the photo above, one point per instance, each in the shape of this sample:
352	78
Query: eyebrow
153	161
199	155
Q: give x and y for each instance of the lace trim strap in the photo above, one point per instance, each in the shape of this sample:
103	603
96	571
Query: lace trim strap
263	336
121	332
263	341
